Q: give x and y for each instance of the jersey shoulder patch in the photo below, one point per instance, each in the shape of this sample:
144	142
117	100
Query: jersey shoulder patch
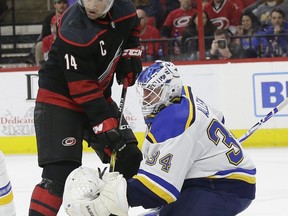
173	120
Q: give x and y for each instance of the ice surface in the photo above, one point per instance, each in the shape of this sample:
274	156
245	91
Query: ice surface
271	196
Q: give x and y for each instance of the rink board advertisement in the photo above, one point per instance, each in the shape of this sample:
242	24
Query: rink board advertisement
245	92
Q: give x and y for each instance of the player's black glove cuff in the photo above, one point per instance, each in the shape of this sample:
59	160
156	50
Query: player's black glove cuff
129	66
112	140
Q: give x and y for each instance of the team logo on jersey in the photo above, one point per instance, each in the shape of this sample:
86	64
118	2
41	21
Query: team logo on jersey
69	141
182	21
221	22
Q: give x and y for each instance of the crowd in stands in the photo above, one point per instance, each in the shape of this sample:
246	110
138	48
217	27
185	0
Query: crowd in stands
232	28
48	31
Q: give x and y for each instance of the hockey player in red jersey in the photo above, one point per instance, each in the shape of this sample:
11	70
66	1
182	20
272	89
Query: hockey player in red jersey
224	14
192	166
74	98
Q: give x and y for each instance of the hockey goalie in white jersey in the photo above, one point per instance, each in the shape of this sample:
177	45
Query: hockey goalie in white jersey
192	165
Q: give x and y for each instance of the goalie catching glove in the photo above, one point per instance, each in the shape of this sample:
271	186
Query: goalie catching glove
86	194
129	66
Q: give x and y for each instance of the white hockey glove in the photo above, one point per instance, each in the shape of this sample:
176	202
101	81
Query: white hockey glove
114	194
85	194
81	193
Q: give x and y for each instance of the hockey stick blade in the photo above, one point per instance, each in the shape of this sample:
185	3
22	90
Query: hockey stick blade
263	120
120	117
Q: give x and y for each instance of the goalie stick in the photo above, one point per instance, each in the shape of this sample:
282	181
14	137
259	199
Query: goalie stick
121	108
263	120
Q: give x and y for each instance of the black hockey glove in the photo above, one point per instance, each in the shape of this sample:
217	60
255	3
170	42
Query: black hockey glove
109	136
129	66
128	161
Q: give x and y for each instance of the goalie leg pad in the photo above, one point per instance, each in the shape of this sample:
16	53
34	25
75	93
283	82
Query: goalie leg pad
6	194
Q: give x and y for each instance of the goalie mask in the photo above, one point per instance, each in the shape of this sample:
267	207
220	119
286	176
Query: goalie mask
157	85
96	8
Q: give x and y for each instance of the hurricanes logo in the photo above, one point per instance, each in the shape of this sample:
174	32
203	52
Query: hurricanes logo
221	22
182	21
69	141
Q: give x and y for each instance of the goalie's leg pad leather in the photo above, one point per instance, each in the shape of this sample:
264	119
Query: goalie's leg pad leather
46	198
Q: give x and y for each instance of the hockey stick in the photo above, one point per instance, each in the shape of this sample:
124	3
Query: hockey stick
121	108
263	120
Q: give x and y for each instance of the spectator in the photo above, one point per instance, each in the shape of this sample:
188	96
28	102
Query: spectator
263	10
169	6
250	26
276	45
223	47
190	36
224	14
49	39
153	10
150	50
174	25
178	19
60	6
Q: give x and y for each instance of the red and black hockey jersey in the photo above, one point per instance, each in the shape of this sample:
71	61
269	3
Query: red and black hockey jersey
78	74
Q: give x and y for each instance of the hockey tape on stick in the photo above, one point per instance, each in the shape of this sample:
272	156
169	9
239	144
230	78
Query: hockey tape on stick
263	120
120	117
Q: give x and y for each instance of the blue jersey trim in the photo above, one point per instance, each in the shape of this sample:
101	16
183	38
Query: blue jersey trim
250	172
173	190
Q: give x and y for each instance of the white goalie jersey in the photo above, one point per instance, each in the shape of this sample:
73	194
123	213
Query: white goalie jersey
188	145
